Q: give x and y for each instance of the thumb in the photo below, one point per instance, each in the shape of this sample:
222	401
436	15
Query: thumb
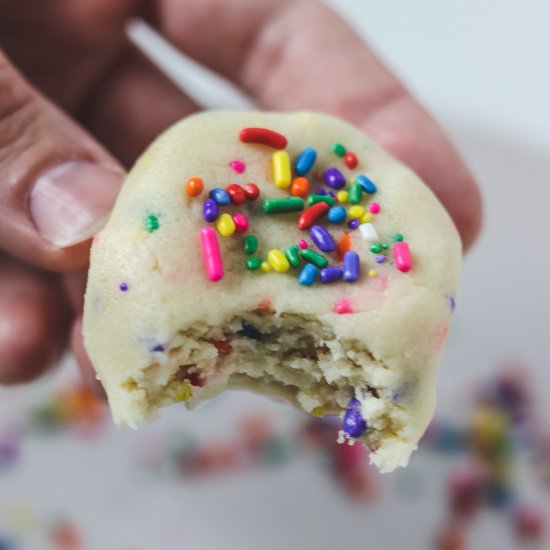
57	184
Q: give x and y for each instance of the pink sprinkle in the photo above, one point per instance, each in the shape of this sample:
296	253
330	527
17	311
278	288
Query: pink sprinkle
302	244
402	256
342	307
212	254
238	166
241	223
374	208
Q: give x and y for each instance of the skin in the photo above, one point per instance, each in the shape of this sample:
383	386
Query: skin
66	66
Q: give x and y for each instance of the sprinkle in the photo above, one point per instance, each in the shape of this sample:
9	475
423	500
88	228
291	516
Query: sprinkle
250	331
334	178
194	187
320	191
292	256
351	267
236	193
265	267
159	348
283	206
343	307
354	423
263	136
330	274
373	273
305	161
210	210
332	194
344	244
353	224
308	275
342	196
350	160
367	217
319	412
337	214
376	248
299	187
380	259
225	225
250	244
402	256
241	223
398	237
253	263
321	237
319	174
220	196
183	392
314	257
302	244
368	232
374	208
355	193
151	223
356	211
452	302
211	252
314	199
223	346
281	169
338	149
123	287
238	166
311	214
251	191
278	261
367	185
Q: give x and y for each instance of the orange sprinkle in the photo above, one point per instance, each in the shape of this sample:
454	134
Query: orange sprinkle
265	306
194	187
299	187
343	246
319	174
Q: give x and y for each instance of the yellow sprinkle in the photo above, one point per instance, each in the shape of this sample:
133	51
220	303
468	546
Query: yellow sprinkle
319	411
372	273
367	217
342	196
356	211
278	261
183	393
225	225
281	169
265	267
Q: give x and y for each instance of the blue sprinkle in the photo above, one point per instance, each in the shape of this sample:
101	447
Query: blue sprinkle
321	237
334	178
210	210
354	224
308	275
367	185
124	288
337	214
330	274
220	196
380	258
354	423
452	302
351	267
305	161
159	348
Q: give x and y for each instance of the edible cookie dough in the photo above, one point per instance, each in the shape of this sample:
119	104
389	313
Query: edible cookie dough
286	254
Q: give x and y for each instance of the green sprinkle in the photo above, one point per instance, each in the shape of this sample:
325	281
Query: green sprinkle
253	263
385	246
250	244
313	199
339	149
151	223
283	206
376	248
355	193
292	256
398	237
318	260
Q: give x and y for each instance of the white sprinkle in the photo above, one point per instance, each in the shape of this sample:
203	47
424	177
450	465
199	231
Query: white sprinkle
368	232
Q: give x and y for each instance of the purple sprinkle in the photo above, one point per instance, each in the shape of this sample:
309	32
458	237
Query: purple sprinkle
158	347
320	191
354	423
334	178
210	210
354	224
123	287
452	302
321	237
332	194
380	259
330	274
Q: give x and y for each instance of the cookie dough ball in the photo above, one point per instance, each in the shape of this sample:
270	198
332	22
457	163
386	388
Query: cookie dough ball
286	254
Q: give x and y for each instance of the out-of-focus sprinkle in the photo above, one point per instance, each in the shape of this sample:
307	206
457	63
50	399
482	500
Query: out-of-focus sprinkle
342	307
238	166
374	208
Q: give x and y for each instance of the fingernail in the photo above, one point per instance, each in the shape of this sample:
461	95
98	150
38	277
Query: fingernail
71	202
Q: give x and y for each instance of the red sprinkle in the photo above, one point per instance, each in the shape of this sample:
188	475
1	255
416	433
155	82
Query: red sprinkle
236	193
350	160
251	191
195	379
223	346
314	212
263	136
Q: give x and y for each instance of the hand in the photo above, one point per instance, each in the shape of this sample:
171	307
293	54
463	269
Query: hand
58	183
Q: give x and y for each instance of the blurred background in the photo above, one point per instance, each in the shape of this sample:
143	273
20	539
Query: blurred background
243	472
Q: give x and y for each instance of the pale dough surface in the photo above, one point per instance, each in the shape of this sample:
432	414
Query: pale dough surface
390	344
